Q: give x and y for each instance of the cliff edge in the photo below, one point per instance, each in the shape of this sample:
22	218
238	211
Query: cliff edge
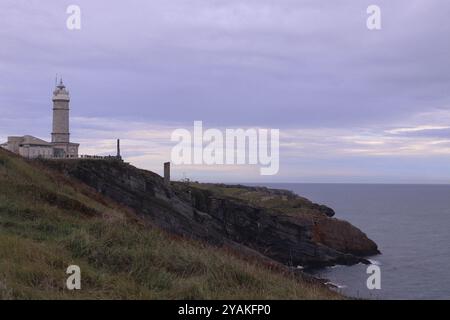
275	224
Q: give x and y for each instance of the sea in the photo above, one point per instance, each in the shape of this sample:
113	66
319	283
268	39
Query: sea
410	224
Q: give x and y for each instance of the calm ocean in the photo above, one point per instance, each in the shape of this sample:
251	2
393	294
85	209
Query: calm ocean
410	224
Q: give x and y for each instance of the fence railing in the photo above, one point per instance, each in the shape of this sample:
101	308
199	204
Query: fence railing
92	157
85	156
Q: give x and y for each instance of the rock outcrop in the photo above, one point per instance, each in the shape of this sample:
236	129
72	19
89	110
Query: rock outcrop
310	238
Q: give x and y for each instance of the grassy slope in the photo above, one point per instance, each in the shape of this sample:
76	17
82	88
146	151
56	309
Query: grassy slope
48	223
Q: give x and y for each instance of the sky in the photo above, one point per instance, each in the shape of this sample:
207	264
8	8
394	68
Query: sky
352	105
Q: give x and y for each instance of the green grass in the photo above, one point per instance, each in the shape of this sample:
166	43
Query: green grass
48	223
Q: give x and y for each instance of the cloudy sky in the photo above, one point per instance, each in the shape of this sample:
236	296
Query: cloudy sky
352	105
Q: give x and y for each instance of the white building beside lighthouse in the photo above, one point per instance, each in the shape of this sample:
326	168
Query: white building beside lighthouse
60	146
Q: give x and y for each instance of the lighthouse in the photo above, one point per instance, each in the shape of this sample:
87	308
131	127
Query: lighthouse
61	101
62	146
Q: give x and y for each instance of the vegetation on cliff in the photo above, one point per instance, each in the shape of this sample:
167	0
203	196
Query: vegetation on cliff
49	221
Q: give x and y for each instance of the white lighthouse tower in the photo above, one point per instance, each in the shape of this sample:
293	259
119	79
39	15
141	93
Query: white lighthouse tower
62	146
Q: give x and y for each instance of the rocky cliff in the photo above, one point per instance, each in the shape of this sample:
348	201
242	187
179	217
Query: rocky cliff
275	224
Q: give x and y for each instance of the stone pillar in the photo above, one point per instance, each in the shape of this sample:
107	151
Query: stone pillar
167	173
118	149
